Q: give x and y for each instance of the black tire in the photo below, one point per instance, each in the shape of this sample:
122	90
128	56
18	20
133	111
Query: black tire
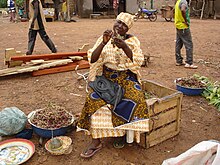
168	19
153	17
137	16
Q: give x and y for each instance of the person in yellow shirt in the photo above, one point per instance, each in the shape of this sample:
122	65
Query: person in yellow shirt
64	10
183	34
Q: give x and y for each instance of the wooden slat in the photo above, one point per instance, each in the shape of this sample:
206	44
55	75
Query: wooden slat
162	106
164	118
156	88
69	67
26	68
48	56
178	116
161	135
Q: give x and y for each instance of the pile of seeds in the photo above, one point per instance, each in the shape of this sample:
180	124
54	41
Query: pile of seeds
52	117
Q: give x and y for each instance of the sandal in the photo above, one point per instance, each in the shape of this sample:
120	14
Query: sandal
191	66
90	151
119	143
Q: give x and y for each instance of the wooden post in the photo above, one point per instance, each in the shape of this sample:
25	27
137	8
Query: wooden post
203	7
68	11
8	53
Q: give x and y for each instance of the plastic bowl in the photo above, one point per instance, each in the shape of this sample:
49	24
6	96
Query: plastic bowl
48	133
189	91
25	134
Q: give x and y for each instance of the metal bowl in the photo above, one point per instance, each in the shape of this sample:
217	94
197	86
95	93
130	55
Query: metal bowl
49	132
187	90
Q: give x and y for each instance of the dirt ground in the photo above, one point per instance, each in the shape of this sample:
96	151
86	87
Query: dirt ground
199	121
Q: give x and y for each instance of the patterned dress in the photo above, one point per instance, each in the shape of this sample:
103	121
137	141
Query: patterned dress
97	117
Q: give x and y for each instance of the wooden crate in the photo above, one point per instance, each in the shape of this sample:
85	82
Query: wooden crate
164	115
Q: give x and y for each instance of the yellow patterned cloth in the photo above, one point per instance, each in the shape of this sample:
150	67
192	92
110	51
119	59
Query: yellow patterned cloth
115	58
101	125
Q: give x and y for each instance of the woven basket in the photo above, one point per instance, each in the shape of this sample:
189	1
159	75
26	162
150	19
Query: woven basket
66	147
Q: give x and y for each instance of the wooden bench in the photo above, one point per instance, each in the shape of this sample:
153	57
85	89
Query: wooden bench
97	16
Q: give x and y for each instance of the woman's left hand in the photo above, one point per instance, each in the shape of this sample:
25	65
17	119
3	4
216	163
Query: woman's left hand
120	43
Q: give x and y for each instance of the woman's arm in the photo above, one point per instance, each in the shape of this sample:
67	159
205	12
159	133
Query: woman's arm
96	53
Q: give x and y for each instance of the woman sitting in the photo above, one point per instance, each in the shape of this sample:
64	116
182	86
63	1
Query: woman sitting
118	56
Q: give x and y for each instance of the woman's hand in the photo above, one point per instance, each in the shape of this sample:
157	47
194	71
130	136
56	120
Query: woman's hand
120	43
107	36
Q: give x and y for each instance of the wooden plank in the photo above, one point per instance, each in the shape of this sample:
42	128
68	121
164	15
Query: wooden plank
178	116
157	89
48	56
162	106
164	118
24	69
143	140
161	135
69	67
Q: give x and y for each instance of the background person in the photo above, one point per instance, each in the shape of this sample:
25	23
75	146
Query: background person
183	34
36	25
63	11
118	56
115	7
11	10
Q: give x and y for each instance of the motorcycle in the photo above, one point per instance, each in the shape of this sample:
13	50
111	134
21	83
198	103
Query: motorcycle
147	14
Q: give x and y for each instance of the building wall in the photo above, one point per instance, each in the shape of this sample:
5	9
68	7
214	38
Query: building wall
131	6
158	3
85	8
217	9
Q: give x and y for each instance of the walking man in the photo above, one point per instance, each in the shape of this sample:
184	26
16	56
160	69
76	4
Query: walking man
183	34
36	25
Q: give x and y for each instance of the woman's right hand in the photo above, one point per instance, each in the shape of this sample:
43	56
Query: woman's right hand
107	36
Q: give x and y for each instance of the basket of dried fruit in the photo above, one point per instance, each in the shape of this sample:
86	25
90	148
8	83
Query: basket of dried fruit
190	86
50	122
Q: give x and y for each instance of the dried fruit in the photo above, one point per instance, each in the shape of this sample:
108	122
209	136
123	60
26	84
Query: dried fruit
190	82
52	117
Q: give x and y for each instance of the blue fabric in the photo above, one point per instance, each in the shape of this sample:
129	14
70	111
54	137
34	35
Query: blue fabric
95	96
125	109
137	86
131	79
115	75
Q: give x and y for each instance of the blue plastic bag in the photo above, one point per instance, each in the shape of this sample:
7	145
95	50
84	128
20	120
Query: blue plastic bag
12	121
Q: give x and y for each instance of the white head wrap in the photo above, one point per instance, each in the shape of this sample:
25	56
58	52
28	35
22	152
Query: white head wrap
126	18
